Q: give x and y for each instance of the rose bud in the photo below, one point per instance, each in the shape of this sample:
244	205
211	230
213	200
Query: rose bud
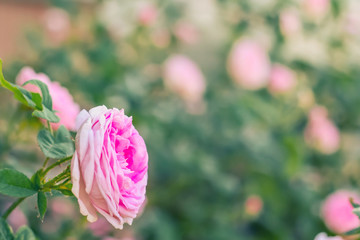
282	80
183	76
63	102
109	166
321	133
337	211
248	65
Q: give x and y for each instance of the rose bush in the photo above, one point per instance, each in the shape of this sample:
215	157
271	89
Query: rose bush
109	167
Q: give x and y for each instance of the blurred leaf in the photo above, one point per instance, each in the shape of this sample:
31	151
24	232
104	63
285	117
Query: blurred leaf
46	98
16	184
25	233
42	204
35	179
352	232
5	230
57	147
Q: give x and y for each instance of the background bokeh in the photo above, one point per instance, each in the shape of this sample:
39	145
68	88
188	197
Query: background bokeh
249	109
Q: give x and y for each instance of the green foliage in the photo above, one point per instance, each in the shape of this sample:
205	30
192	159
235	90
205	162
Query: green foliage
57	147
42	204
25	233
5	231
16	184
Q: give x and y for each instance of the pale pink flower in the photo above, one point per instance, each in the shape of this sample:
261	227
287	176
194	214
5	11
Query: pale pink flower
183	76
316	8
290	23
337	211
249	65
147	14
253	205
321	133
282	79
17	219
63	102
324	236
109	166
57	24
186	32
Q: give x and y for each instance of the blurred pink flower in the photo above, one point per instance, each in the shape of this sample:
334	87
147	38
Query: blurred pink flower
57	24
109	166
249	65
253	205
101	227
183	76
289	22
337	211
63	102
316	8
147	14
62	206
160	38
282	79
321	133
17	219
186	32
324	236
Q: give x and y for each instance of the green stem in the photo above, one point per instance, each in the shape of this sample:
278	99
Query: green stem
12	207
46	161
58	178
50	128
57	163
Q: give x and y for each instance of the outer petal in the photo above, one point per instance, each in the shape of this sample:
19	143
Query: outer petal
81	119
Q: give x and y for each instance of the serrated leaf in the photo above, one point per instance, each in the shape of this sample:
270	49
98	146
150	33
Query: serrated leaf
33	100
46	98
46	114
16	184
5	230
42	204
25	233
59	147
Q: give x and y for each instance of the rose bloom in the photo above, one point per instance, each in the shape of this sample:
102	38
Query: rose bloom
109	166
248	65
147	15
316	8
183	76
282	80
324	236
321	133
289	22
337	211
57	24
63	102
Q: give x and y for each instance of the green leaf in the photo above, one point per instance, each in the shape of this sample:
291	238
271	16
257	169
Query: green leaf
25	233
47	115
35	179
352	232
42	204
17	93
57	147
5	230
33	100
16	184
46	98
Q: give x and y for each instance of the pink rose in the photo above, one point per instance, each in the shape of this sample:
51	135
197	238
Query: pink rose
253	205
316	8
63	102
186	32
249	65
324	236
337	211
147	15
109	166
289	22
282	80
182	76
57	24
321	133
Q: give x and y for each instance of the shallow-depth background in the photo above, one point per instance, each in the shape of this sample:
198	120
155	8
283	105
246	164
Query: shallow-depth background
228	158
